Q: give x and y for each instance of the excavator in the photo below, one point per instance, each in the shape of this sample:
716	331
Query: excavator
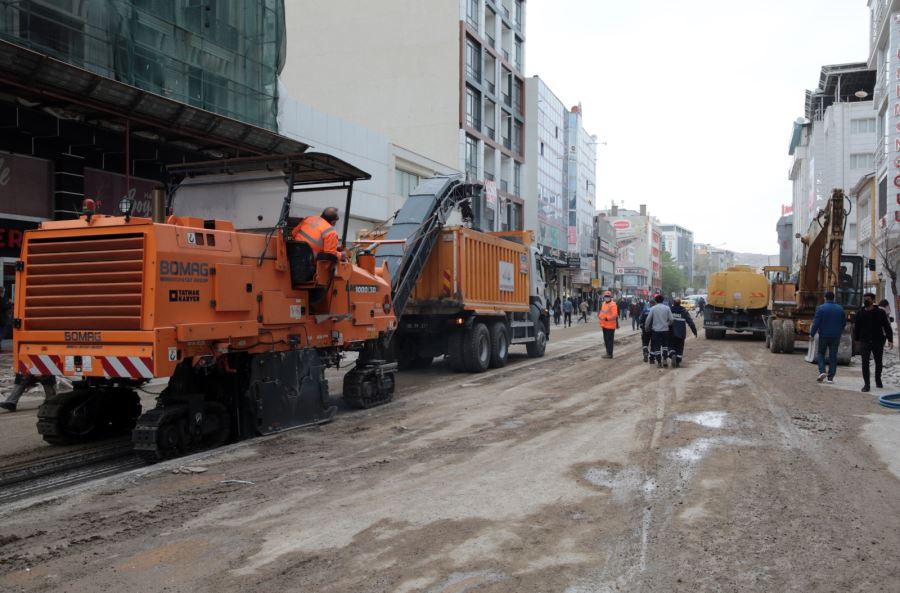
824	268
243	324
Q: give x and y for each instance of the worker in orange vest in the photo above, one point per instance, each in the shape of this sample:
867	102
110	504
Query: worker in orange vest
318	232
609	320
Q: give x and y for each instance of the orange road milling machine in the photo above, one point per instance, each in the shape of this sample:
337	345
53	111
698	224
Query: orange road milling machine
244	324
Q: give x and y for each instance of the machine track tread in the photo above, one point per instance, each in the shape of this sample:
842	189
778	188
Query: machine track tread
368	386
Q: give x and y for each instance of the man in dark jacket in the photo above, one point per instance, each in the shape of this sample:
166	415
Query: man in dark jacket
645	334
637	307
871	329
829	323
679	332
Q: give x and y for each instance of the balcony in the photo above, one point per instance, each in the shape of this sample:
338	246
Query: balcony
504	185
489	176
492	88
505	54
505	12
507	100
507	143
881	85
491	41
490	132
879	155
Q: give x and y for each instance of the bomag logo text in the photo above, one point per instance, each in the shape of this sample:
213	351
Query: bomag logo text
83	336
183	271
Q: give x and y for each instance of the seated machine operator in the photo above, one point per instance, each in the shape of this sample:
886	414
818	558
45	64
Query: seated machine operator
319	233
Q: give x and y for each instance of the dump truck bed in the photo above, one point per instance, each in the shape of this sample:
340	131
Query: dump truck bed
474	271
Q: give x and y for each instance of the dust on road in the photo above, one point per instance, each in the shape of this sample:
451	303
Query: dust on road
570	474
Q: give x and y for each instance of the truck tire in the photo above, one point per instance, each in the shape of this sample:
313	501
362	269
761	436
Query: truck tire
499	345
714	334
787	337
477	349
536	348
454	354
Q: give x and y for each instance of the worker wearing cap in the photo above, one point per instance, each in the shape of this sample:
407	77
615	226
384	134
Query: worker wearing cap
609	319
319	233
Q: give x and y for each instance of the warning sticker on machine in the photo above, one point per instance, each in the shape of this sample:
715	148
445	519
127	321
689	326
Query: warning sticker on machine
296	311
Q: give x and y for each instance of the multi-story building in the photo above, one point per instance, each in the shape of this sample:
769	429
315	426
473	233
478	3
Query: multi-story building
833	146
446	83
785	230
638	270
581	196
97	98
561	177
679	243
605	252
709	260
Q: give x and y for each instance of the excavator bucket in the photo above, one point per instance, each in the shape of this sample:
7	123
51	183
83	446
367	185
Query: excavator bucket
288	390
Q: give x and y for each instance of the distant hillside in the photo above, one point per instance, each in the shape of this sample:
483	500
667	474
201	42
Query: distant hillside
757	260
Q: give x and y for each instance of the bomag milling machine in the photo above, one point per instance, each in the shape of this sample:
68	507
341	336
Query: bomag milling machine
244	324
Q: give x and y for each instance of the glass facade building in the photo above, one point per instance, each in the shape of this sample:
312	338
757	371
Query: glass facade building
223	56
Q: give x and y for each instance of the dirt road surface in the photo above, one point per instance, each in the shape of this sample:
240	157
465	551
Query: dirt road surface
568	474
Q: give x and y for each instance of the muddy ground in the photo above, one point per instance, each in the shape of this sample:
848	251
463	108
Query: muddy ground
569	474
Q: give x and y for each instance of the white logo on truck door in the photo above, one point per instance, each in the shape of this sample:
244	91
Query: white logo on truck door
507	276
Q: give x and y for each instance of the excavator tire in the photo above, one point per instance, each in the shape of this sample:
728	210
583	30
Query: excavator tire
777	342
499	345
787	337
477	349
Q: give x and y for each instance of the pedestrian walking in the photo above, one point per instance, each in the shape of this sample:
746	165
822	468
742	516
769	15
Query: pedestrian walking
568	307
829	323
583	307
24	382
682	322
622	307
886	307
871	329
701	303
645	333
609	321
557	311
659	320
637	307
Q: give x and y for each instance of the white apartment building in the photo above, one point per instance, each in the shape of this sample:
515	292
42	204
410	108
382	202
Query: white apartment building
833	146
679	242
581	195
442	79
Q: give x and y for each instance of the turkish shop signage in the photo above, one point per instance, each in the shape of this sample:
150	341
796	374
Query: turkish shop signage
25	186
894	109
109	188
11	233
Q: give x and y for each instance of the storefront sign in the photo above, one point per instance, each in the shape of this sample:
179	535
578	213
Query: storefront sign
11	234
25	186
574	261
490	194
108	189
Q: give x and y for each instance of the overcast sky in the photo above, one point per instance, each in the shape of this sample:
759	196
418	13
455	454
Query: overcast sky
695	99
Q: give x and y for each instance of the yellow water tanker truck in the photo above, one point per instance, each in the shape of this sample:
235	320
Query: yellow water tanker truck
738	301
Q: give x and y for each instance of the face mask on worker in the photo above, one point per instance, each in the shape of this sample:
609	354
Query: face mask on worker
607	298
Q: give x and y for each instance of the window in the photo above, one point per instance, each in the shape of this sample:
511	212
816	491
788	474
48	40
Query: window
518	15
517	179
473	60
405	183
862	126
471	158
472	12
542	149
863	160
519	55
473	108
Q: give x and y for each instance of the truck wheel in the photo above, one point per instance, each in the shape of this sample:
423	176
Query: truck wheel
477	349
499	345
768	337
787	337
454	356
536	349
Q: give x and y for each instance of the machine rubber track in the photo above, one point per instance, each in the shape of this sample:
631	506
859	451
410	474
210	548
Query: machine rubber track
370	385
84	415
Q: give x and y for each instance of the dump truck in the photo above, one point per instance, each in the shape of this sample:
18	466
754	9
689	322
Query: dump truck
824	267
466	294
737	301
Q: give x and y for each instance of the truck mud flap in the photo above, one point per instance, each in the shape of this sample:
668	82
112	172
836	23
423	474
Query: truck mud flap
287	390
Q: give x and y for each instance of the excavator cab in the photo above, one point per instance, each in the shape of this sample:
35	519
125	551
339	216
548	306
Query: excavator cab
849	287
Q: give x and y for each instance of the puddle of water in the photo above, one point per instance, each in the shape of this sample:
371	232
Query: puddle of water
511	424
707	419
623	484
